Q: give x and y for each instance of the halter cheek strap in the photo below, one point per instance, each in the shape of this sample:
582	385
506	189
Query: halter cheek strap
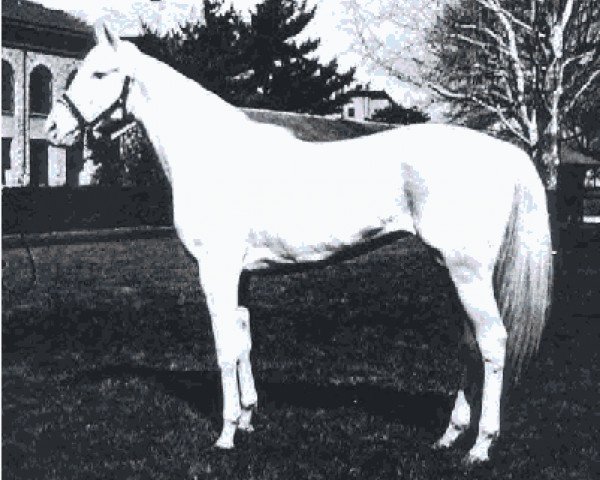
73	110
87	125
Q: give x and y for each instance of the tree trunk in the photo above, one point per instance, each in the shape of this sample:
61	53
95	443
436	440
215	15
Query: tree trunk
548	152
547	160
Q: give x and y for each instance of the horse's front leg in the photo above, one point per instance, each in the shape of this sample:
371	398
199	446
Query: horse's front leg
245	377
219	277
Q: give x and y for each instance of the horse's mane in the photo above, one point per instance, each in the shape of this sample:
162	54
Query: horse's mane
158	76
199	103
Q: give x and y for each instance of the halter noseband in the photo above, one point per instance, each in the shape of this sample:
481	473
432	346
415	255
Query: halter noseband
87	126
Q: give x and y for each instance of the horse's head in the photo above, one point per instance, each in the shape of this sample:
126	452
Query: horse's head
98	90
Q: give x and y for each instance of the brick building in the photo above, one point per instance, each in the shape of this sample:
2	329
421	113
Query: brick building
41	50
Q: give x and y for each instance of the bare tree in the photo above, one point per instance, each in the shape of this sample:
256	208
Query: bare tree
521	68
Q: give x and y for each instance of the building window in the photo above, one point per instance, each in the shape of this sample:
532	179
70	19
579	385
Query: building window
6	160
40	91
38	161
592	178
8	88
351	112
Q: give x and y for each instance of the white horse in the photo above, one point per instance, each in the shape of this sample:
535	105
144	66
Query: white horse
248	196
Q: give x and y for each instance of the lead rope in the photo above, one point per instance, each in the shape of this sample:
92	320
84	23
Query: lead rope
86	128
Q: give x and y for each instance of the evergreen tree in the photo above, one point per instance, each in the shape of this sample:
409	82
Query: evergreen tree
284	77
256	63
212	53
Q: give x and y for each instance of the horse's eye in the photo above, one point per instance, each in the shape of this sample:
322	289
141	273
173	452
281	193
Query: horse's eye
99	74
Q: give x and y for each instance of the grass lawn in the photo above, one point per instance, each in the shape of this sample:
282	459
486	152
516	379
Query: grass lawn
109	371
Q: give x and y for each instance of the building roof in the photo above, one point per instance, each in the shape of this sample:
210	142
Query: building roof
31	26
372	94
34	13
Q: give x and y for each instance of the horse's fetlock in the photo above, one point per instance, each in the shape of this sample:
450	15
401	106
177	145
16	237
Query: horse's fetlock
495	365
491	435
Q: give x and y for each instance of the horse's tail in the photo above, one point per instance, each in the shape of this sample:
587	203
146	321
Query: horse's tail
524	269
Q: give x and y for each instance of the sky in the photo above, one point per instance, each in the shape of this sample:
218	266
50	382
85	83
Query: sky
330	25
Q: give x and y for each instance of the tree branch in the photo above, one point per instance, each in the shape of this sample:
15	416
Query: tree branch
595	74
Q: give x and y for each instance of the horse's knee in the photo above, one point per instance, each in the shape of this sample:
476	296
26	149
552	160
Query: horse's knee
243	327
233	339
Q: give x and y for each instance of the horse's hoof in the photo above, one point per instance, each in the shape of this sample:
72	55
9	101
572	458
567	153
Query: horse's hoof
448	438
440	445
471	459
225	440
223	444
246	428
479	453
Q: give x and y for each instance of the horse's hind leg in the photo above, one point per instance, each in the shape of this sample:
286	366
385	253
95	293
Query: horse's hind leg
475	289
461	416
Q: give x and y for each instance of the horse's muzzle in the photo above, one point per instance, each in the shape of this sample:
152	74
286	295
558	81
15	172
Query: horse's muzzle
60	128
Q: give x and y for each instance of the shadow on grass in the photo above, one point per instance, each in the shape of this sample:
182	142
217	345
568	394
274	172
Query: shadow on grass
202	391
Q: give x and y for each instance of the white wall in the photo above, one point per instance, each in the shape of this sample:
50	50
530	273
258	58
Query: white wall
364	107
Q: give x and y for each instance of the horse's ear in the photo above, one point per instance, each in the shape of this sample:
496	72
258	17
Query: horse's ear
105	35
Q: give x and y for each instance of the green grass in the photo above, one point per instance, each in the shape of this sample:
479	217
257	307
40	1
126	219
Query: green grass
109	371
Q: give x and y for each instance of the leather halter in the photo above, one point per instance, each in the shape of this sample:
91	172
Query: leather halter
87	126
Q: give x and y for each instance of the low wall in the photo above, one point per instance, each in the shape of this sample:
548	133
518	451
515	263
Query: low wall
36	210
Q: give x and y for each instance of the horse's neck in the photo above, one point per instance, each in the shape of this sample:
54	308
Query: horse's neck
175	112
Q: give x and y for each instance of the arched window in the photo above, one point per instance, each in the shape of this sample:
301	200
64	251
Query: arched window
70	79
40	90
8	88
